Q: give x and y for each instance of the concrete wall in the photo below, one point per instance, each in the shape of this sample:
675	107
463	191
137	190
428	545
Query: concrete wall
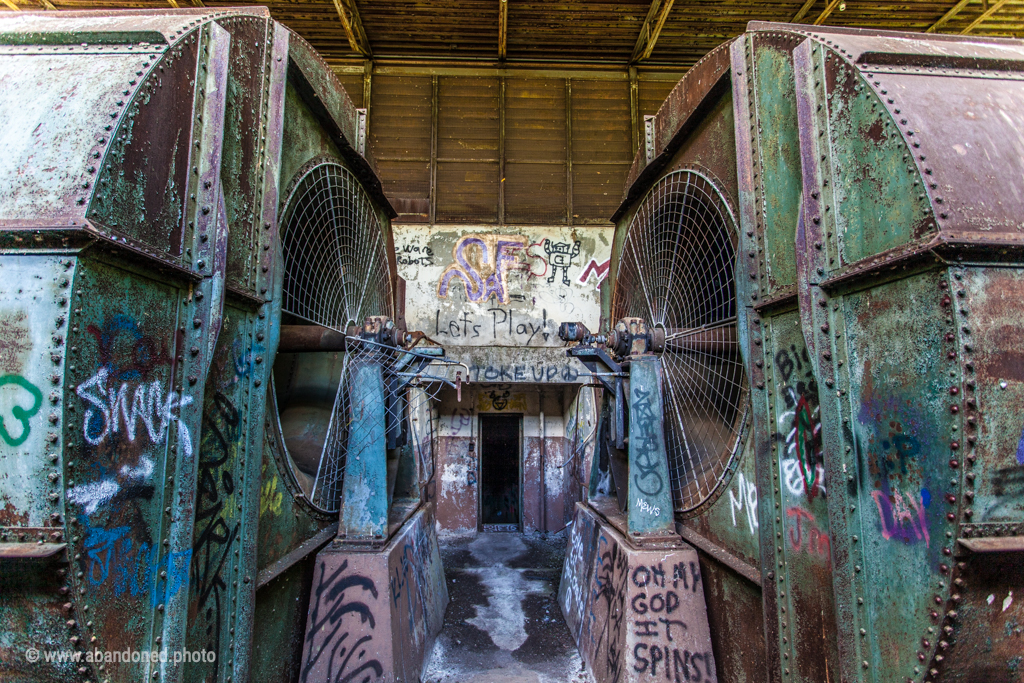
375	614
494	297
457	492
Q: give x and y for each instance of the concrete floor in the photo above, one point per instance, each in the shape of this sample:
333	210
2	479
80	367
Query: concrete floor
503	624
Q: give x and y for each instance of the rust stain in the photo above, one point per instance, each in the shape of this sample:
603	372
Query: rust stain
14	342
9	516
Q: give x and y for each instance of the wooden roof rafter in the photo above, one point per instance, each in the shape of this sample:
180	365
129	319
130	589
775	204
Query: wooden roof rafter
827	12
349	15
651	29
802	12
948	16
502	29
984	15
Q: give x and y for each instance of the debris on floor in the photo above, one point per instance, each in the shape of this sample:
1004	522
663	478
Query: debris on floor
503	624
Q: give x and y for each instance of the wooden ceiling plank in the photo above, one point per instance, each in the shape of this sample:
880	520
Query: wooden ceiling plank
173	3
502	29
953	11
11	5
825	13
985	15
804	9
349	15
651	29
47	4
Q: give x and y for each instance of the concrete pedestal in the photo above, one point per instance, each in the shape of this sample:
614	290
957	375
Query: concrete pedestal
374	615
635	614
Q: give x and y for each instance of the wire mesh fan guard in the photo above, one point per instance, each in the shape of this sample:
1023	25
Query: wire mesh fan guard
677	271
335	274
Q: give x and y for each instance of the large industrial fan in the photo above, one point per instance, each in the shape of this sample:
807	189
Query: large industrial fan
344	377
336	274
674	303
676	273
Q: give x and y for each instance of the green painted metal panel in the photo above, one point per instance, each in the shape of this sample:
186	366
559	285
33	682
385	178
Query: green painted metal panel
304	139
777	154
801	546
228	492
896	400
993	295
132	428
733	523
880	197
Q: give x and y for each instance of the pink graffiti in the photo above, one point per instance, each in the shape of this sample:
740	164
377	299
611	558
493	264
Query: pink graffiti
600	271
902	516
804	534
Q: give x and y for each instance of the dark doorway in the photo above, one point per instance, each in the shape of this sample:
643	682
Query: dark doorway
499	470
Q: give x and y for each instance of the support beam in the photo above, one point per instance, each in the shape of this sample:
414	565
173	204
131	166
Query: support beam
10	4
173	3
991	10
802	12
651	29
955	10
47	4
349	15
502	29
827	12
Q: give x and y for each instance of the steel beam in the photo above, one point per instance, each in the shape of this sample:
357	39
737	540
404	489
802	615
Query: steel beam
651	29
349	15
650	486
364	506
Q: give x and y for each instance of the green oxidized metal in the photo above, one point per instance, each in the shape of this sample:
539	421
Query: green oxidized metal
140	300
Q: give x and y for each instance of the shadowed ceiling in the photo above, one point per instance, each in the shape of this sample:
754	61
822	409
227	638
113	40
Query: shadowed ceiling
644	33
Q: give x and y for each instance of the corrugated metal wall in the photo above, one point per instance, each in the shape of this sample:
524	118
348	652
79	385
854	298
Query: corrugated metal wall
510	148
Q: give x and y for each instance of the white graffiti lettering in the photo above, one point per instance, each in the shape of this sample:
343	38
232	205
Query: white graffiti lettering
747	499
147	404
647	507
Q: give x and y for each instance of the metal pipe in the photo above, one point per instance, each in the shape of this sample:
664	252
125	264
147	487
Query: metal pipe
543	484
714	340
305	338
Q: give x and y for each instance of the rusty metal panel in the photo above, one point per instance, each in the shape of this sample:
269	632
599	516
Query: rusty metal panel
132	429
280	618
142	182
228	495
904	424
799	612
59	175
797	518
248	92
